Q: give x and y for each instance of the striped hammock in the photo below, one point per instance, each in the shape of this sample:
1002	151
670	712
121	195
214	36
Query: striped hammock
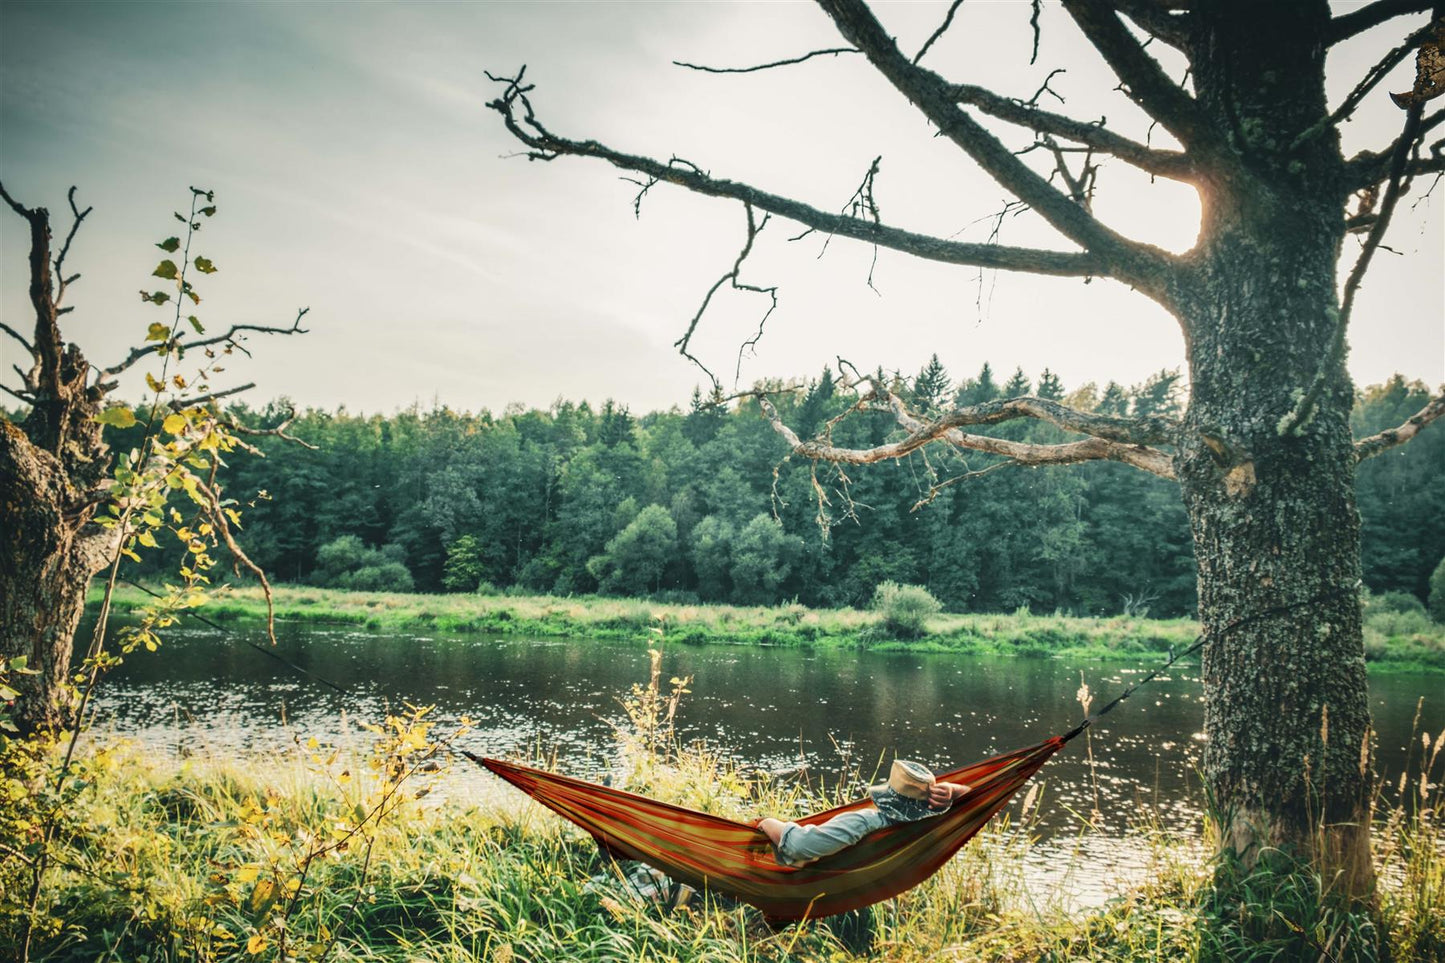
718	855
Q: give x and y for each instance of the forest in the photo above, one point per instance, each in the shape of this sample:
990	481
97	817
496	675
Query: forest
705	505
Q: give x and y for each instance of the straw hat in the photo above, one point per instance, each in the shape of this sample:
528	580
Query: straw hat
904	797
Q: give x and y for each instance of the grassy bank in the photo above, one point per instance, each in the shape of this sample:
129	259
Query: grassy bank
1398	641
222	860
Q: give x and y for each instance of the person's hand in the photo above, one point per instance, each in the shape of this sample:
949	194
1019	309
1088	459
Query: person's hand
941	795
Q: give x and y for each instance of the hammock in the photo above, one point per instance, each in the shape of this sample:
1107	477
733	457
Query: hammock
718	855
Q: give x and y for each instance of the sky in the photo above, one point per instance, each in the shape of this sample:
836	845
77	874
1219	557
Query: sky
358	172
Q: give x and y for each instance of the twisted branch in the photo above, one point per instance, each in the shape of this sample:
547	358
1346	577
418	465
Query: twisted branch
136	354
1112	439
1393	437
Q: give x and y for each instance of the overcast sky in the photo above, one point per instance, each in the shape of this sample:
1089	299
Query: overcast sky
358	172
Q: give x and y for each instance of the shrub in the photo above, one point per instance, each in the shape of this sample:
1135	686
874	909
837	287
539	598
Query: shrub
1437	593
906	609
463	569
385	577
1400	602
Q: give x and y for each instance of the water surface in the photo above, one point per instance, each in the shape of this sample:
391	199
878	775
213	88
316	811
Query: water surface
812	714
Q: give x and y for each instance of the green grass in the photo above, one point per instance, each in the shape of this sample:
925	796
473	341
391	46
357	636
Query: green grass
1394	642
182	862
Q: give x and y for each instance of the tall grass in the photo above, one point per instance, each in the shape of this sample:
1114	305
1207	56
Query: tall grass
200	861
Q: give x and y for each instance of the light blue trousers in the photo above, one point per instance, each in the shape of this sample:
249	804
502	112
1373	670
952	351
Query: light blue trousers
803	844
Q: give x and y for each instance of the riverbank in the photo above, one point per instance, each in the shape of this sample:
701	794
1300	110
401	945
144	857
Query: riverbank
319	855
1393	642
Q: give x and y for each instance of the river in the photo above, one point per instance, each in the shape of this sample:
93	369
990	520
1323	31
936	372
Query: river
795	713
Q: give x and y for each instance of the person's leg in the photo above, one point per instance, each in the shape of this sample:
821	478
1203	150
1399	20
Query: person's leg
797	845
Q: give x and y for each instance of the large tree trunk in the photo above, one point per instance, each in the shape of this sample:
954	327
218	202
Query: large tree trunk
45	569
50	468
1276	532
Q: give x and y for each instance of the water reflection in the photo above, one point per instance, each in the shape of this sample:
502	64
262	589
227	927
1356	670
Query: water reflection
811	713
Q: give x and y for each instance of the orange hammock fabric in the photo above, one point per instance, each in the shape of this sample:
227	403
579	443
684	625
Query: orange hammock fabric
719	855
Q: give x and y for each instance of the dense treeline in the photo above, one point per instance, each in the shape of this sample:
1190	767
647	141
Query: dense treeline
703	504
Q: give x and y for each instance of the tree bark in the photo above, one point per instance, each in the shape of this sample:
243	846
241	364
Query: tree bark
45	568
1276	531
50	467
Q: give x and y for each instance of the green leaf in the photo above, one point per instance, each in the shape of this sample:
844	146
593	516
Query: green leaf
157	332
19	663
160	297
118	416
7	694
166	269
205	265
170	245
209	211
195	298
196	323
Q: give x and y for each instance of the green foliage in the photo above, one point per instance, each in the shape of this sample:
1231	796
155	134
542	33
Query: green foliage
463	572
712	557
1399	603
763	556
636	557
1437	593
905	609
543	492
348	563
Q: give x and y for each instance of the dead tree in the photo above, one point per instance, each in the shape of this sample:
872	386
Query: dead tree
1263	455
55	475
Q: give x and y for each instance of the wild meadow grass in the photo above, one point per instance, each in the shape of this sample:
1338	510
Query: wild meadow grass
1394	641
325	855
789	625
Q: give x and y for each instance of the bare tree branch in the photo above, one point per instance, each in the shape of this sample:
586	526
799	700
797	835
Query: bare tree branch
1358	21
1367	83
279	431
1169	22
1146	82
1368	168
1175	165
1110	441
79	216
1392	437
181	404
17	336
137	354
1144	266
942	29
217	515
731	277
17	395
834	51
1302	412
519	118
46	344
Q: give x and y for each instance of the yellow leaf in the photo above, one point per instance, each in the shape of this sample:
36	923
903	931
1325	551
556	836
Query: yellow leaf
153	383
148	540
263	895
174	424
256	944
247	873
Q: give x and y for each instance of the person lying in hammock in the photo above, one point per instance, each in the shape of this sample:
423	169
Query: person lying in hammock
911	793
